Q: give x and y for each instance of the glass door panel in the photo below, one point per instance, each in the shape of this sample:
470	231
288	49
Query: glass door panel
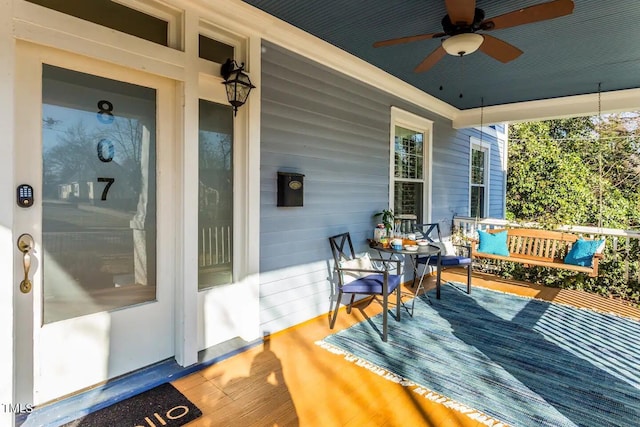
99	186
215	195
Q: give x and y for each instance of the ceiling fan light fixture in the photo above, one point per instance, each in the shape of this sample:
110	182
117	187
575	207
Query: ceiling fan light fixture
462	44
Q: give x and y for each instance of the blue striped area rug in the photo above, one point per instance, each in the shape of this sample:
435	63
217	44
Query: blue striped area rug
507	360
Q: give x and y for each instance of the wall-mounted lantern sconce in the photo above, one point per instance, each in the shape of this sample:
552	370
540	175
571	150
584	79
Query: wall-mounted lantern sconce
236	82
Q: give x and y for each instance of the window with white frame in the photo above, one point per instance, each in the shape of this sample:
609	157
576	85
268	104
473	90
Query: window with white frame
409	170
478	179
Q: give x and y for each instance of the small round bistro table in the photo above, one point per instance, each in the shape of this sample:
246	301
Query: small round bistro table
423	251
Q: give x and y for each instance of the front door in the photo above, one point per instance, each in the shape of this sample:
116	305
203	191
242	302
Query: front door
95	144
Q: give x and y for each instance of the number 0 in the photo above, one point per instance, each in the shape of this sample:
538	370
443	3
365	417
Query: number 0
105	146
109	182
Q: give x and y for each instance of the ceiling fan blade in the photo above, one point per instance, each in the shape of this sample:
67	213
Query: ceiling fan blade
407	39
461	11
527	15
499	49
430	60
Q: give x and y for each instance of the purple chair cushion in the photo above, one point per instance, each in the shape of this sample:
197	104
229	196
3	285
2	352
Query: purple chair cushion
372	284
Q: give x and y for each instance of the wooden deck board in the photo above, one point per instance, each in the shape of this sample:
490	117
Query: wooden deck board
290	381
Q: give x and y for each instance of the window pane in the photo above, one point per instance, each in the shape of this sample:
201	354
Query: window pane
408	198
99	194
215	195
477	201
409	153
213	50
113	15
477	166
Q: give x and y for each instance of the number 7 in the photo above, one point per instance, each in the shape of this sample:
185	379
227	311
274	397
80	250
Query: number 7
109	182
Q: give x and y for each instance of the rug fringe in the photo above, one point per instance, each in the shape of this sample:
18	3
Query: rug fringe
472	413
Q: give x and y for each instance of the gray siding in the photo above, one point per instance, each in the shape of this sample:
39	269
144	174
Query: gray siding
335	131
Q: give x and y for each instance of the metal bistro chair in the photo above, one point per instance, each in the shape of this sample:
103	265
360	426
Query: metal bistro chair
431	233
358	276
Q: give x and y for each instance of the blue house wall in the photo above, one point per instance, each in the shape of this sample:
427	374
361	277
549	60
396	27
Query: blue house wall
334	130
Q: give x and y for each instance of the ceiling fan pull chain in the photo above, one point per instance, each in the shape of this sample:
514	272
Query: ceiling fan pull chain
600	203
461	74
481	118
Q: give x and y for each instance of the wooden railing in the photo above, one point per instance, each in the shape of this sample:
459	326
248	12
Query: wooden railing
215	246
622	244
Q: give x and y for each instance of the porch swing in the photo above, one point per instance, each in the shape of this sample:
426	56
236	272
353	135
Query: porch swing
544	248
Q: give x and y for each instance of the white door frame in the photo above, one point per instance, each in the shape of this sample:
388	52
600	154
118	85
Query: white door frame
197	325
25	21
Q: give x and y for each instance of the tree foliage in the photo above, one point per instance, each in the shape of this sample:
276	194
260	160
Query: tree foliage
581	171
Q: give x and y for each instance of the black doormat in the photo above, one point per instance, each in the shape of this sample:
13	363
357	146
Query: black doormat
162	406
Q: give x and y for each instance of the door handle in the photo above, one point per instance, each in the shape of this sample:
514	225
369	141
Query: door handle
25	245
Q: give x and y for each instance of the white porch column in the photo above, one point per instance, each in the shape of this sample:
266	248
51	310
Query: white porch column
186	271
252	221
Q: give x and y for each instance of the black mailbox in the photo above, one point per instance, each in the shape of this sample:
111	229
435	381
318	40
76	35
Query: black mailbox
290	189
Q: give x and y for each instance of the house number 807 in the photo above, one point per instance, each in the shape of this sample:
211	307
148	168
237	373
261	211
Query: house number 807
105	149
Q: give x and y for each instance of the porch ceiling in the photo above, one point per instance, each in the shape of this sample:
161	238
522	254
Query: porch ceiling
598	43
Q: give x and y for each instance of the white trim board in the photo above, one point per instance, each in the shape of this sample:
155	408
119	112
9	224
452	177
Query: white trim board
8	248
570	106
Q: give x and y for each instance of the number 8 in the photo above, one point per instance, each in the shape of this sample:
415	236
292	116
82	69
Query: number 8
105	114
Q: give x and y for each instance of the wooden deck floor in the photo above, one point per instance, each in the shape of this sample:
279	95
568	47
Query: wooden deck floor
290	381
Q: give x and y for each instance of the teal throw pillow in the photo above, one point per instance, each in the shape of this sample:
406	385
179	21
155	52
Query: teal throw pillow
493	243
582	251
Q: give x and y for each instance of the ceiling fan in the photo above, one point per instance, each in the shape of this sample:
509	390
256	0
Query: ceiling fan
464	19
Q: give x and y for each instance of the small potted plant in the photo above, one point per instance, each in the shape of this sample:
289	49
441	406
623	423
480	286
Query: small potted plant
387	218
